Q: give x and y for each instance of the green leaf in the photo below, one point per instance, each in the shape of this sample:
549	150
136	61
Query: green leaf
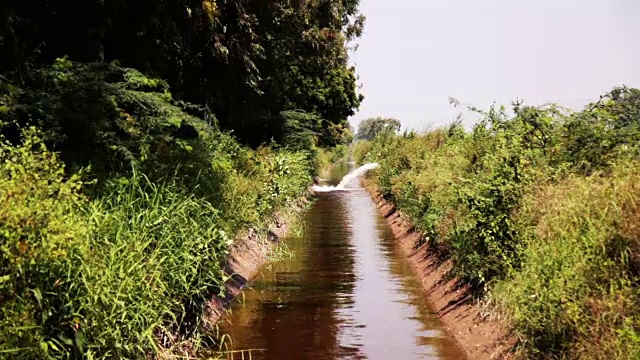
38	295
80	340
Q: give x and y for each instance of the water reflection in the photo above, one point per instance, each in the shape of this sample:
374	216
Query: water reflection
347	293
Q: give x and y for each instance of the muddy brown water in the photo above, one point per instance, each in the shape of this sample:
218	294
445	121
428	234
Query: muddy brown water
347	292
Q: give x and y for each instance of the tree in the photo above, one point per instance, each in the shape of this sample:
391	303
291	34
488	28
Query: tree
245	60
370	128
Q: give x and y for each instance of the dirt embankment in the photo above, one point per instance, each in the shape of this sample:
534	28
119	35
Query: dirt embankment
247	255
464	319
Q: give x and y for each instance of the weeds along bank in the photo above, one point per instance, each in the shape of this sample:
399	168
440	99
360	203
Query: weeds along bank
539	213
124	173
101	261
328	158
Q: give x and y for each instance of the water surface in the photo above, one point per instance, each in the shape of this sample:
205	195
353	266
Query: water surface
347	293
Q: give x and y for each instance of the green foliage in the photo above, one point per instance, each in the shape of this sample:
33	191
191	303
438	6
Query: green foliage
273	182
247	61
576	292
300	130
128	273
42	232
110	118
120	267
153	259
605	131
539	210
370	128
327	159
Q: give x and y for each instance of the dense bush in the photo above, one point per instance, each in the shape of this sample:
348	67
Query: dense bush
245	61
128	272
577	289
327	159
539	211
113	119
97	259
42	239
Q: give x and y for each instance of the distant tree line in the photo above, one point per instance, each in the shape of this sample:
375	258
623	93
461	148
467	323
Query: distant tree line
370	128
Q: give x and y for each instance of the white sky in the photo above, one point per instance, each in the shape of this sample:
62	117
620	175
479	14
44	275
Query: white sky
414	54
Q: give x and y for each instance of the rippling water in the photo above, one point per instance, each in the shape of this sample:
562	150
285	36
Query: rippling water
347	293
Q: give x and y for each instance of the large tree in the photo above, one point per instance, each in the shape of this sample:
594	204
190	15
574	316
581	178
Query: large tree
246	60
370	128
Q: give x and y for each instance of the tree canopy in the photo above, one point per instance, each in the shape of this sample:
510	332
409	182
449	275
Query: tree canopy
370	128
130	125
248	62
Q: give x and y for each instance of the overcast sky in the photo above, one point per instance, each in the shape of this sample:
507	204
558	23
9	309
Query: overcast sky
414	54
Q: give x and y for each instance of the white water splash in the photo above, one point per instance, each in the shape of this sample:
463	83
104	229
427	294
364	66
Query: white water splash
347	180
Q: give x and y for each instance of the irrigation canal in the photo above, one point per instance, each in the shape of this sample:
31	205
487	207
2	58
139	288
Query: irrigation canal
347	292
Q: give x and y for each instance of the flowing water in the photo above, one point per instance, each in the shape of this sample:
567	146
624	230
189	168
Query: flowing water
349	181
347	292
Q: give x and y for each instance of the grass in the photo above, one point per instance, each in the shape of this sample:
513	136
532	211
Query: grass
126	273
155	256
576	292
538	213
326	159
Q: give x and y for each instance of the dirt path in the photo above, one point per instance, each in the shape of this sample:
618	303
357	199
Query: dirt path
479	337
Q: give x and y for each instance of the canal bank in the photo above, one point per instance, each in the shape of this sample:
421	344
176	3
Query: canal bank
462	317
250	252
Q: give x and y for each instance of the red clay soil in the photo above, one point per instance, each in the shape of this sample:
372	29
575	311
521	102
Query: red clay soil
246	257
478	336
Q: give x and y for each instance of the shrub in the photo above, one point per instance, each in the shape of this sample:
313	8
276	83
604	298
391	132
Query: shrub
42	239
113	119
539	210
328	158
577	290
126	274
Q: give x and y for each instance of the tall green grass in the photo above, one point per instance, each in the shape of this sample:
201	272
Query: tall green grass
576	293
127	273
538	213
154	258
